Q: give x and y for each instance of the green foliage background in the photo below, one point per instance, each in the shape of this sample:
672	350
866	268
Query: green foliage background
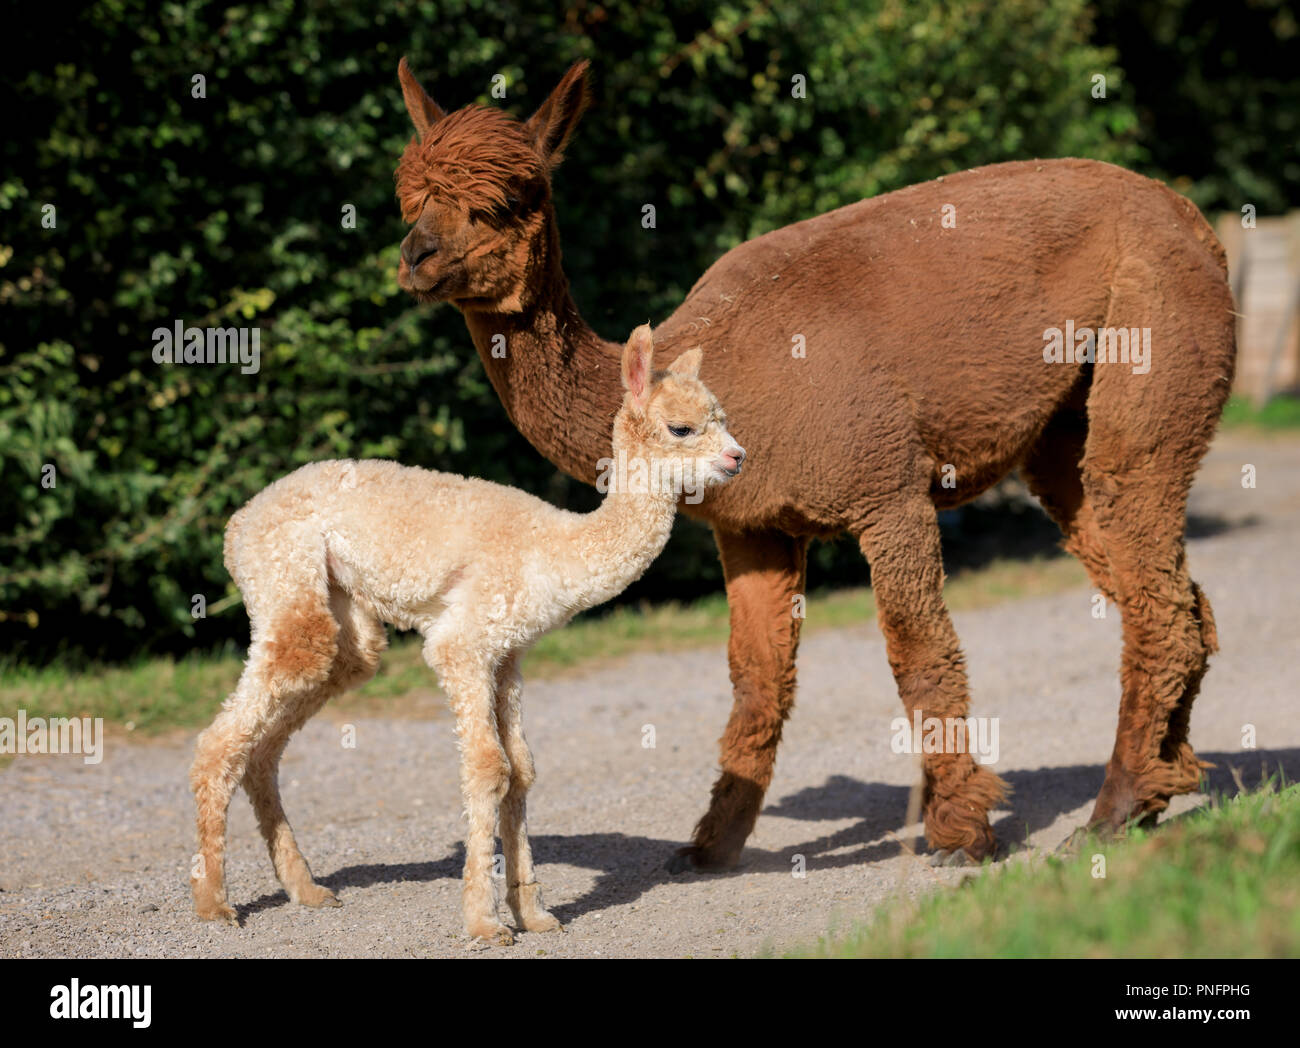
226	210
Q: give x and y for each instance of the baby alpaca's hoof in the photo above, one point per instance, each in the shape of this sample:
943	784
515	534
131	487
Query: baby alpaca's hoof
525	902
541	922
318	897
492	934
218	912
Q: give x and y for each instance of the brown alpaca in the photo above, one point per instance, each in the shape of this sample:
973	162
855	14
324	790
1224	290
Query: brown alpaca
924	348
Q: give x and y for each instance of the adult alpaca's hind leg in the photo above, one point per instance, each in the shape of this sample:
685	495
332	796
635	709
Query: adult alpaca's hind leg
1147	434
361	641
287	663
523	894
1164	657
901	543
1180	721
1053	470
1168	638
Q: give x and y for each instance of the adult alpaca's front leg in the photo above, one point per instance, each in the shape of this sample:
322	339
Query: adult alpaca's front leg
469	680
765	571
902	546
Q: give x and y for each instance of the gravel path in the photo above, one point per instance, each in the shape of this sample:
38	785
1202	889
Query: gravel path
94	859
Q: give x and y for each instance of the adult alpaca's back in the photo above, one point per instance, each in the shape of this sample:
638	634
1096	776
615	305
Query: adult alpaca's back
897	310
881	360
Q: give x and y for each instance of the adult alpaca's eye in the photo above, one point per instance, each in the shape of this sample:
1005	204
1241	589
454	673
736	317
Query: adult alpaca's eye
680	431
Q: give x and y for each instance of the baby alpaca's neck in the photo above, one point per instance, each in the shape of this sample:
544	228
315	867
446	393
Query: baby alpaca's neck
620	539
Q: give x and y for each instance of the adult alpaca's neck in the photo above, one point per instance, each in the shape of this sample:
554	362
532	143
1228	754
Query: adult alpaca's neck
558	379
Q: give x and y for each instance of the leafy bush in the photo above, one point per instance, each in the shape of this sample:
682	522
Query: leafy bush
1217	96
228	209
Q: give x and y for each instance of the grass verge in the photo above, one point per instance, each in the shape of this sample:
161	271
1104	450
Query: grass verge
1222	881
1280	413
153	695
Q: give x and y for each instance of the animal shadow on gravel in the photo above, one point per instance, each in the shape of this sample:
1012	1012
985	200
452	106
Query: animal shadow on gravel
1038	798
368	876
1206	526
629	866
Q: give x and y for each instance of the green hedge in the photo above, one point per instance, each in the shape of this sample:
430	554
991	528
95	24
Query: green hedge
226	210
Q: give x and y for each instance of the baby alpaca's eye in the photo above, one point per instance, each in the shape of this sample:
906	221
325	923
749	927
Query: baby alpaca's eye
680	431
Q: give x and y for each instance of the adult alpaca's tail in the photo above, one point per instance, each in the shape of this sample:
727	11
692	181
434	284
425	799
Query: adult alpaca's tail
1205	620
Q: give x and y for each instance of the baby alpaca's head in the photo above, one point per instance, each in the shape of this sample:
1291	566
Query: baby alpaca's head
670	417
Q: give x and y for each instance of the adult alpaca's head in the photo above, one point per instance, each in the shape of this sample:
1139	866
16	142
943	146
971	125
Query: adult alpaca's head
475	186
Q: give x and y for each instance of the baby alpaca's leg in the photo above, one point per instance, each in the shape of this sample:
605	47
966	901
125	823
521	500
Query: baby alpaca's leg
523	893
468	679
221	764
282	674
360	642
261	782
218	767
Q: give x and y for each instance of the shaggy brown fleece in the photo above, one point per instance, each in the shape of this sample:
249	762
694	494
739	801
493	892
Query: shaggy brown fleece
879	361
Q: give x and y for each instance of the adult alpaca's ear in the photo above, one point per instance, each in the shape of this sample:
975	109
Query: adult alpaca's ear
637	357
550	128
688	364
425	112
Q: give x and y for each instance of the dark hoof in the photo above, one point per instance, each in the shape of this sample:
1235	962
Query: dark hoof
955	857
693	859
1073	844
1105	832
680	862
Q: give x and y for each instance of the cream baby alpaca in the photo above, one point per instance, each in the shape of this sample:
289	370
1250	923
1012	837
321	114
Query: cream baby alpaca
327	555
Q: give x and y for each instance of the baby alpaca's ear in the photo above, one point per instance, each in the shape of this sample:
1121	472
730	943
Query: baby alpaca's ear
637	356
688	364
